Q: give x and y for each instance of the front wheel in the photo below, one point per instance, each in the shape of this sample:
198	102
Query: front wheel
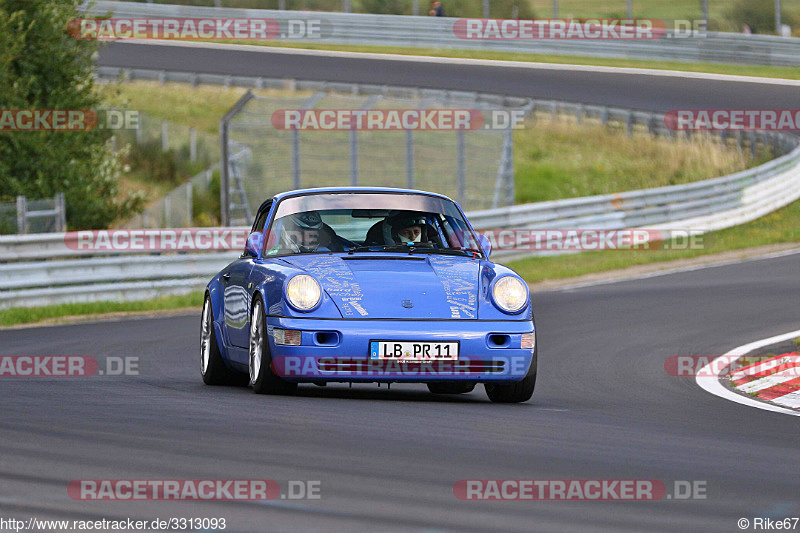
518	392
262	378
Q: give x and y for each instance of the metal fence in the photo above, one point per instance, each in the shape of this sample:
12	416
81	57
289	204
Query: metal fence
156	134
44	215
176	209
259	160
438	32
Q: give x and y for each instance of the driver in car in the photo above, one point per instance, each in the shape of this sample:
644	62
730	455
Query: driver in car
405	228
305	232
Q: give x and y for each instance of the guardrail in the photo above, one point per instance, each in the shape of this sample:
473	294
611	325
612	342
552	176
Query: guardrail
31	276
437	32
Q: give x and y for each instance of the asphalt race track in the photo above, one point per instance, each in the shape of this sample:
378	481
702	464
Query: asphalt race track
604	408
654	93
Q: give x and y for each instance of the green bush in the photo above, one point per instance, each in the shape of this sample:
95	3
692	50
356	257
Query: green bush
206	203
758	14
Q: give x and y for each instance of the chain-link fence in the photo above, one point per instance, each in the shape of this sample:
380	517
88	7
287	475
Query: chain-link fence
185	142
171	149
185	206
473	166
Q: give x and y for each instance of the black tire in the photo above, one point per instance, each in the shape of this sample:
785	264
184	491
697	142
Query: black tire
212	367
262	379
518	392
451	387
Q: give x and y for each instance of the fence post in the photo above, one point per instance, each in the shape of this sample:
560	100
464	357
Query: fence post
508	145
224	153
192	145
353	157
295	158
486	9
629	123
555	9
139	134
415	8
189	206
164	136
167	209
409	159
461	177
61	208
22	209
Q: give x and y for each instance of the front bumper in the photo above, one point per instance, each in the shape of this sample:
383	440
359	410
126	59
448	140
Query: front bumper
338	350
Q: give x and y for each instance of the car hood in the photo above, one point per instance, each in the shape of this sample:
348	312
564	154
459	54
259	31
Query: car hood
411	287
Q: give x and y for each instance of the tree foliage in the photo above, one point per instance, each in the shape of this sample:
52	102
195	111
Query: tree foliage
42	67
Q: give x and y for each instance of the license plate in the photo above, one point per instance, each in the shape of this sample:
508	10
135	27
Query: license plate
413	351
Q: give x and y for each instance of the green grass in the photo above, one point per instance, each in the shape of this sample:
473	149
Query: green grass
562	159
782	226
714	68
718	10
29	315
199	107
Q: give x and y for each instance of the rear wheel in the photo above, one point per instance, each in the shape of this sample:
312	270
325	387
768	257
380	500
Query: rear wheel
521	391
212	368
451	387
262	378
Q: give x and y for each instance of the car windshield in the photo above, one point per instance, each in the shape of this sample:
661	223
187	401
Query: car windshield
369	222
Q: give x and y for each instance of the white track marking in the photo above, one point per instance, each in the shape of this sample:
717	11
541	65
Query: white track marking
708	380
670	271
769	381
475	62
789	400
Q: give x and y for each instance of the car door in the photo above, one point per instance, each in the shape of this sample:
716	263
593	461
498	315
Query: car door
238	290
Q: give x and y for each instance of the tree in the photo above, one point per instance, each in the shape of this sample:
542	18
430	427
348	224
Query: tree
42	67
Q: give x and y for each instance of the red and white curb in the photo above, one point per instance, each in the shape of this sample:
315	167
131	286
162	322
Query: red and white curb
776	379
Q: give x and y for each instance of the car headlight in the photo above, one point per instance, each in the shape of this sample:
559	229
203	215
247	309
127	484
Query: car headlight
303	292
510	294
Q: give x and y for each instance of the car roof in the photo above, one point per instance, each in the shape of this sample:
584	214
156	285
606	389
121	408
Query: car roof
328	190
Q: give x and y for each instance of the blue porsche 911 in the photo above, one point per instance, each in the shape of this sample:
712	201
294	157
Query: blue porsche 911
368	285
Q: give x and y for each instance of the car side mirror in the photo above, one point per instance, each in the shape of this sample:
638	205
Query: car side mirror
255	243
485	244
